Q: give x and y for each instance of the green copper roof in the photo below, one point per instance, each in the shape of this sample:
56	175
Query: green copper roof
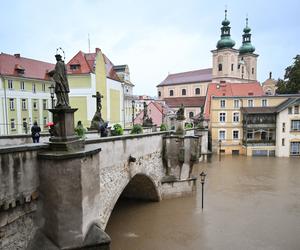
225	41
246	47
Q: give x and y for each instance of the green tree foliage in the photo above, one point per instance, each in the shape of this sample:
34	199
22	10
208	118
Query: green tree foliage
118	130
291	82
163	127
136	129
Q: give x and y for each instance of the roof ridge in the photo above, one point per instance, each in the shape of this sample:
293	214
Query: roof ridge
26	58
190	71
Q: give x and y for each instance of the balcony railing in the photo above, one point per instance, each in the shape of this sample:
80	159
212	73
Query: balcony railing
260	142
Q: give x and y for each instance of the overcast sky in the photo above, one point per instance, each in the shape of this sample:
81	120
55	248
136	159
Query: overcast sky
153	37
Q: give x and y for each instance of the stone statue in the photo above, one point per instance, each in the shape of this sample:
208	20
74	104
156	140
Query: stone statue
147	121
145	111
62	90
98	97
180	113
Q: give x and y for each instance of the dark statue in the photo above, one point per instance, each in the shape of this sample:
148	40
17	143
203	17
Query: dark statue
180	114
59	74
98	97
97	121
147	121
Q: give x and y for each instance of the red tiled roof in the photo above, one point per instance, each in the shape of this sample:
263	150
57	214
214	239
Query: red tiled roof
9	64
87	62
201	75
175	102
79	59
231	89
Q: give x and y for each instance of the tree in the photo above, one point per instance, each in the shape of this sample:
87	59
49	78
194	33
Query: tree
291	82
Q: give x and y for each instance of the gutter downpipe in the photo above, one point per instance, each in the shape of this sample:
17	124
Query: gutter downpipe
5	106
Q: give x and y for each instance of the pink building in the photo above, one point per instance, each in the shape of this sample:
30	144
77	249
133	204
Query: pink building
155	110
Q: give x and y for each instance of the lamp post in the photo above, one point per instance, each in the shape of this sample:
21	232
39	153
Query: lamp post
220	144
52	95
133	106
202	179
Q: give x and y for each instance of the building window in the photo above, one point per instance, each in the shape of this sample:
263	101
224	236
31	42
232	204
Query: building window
235	134
222	103
183	91
220	66
290	110
10	84
236	117
222	135
45	106
295	125
236	103
282	142
12	124
243	69
191	114
296	110
33	88
250	135
295	148
43	87
283	127
264	102
12	104
232	66
35	106
22	85
197	91
74	66
24	104
159	94
250	103
222	117
171	92
252	71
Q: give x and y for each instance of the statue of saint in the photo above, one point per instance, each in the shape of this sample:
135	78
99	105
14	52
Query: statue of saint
145	111
180	113
62	90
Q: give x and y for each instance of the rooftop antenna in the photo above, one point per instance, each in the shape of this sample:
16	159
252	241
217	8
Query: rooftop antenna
89	42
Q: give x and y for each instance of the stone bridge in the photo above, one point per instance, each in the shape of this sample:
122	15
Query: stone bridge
53	200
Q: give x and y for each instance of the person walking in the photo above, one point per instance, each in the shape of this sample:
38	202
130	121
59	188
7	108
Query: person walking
35	132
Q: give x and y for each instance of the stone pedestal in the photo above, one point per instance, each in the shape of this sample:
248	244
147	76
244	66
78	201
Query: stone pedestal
64	138
179	127
70	189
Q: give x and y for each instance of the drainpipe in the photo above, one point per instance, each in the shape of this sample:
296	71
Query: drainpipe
5	106
124	109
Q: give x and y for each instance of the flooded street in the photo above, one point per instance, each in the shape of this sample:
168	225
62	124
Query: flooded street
250	203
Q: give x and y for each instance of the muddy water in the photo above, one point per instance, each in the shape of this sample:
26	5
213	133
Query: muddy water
250	203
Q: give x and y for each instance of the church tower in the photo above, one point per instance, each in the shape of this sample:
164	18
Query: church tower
225	57
247	59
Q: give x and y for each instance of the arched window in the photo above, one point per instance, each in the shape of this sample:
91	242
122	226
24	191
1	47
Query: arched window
252	71
191	114
159	94
197	91
183	91
171	92
220	66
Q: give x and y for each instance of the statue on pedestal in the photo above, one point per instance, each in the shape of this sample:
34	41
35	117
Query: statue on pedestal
180	113
97	121
62	90
147	121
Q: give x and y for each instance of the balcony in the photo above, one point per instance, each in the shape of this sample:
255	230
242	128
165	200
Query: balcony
259	142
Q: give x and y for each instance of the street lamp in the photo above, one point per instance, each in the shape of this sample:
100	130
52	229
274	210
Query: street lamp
133	106
220	144
52	95
202	179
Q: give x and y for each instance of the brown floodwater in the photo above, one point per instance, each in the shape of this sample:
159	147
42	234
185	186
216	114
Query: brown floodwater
249	203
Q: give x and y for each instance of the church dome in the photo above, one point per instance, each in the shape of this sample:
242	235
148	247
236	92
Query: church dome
247	46
225	41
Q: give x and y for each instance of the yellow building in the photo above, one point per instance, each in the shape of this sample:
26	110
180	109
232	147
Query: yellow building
244	124
24	94
92	72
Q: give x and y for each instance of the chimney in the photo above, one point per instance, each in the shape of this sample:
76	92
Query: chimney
17	55
270	75
97	50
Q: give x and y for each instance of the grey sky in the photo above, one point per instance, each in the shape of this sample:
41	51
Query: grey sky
152	37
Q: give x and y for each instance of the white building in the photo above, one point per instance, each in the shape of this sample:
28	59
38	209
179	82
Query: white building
288	128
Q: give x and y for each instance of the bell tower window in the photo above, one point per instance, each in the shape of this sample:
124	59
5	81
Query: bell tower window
220	66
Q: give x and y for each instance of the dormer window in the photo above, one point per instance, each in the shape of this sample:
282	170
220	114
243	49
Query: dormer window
19	69
74	67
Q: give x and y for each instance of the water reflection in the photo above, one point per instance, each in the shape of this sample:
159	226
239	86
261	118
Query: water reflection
250	203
